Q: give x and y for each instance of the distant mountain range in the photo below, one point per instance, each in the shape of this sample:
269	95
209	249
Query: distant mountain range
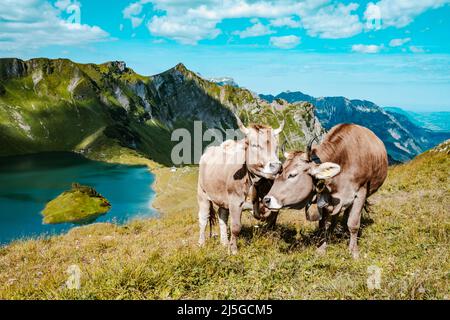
436	121
403	137
60	105
222	81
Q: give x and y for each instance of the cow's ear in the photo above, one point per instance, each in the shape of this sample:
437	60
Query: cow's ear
325	170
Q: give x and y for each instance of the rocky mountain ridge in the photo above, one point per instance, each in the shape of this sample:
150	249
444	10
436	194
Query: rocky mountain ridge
60	105
403	139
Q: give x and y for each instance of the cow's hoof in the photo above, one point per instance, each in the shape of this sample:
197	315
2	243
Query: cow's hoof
225	243
201	243
322	250
232	250
355	254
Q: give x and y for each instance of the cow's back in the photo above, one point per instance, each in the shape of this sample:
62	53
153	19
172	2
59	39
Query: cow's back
219	171
360	153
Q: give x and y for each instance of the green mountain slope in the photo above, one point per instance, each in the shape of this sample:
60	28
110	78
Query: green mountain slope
59	105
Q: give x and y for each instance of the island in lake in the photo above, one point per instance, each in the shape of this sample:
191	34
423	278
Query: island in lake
81	204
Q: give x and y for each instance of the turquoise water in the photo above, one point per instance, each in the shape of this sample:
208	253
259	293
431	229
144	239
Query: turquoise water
28	182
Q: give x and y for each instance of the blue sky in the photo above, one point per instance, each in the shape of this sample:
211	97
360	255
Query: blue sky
392	52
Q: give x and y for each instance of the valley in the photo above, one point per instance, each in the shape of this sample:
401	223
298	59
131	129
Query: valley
109	113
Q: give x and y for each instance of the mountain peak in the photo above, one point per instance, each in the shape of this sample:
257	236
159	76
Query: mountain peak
222	81
121	66
181	67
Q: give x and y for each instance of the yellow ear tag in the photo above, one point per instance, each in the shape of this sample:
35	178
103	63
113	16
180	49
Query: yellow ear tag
327	173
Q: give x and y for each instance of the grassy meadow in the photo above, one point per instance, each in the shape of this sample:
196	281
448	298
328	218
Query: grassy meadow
405	239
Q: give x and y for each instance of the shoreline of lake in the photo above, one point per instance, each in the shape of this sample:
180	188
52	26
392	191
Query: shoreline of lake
30	181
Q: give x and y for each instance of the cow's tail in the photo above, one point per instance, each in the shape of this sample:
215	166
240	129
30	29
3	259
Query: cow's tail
367	204
212	219
367	207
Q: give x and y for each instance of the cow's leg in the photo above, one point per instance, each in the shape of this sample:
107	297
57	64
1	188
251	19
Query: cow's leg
326	227
236	213
272	220
322	247
332	226
203	218
354	220
223	222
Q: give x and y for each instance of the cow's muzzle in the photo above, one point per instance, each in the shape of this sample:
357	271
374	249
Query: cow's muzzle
272	203
275	167
271	169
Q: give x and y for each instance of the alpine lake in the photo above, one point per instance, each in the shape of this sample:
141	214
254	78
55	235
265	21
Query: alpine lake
29	182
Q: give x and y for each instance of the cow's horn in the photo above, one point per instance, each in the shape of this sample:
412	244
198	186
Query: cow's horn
309	147
243	128
283	147
280	128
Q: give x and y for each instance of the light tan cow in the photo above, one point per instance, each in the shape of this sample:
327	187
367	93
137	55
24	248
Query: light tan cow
227	173
337	176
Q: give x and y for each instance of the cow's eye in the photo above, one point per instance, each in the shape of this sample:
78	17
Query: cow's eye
292	175
255	146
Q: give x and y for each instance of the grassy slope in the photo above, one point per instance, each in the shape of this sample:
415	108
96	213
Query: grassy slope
46	116
56	121
407	236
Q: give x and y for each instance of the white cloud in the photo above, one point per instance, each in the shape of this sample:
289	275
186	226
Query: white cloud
183	31
398	42
416	49
136	21
191	21
133	9
371	48
285	22
400	13
219	10
133	12
255	30
31	24
195	20
64	4
285	42
333	22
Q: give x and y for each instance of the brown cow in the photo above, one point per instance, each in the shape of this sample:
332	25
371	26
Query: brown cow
227	173
338	175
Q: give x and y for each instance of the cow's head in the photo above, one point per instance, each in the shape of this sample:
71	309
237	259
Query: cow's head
262	149
294	187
